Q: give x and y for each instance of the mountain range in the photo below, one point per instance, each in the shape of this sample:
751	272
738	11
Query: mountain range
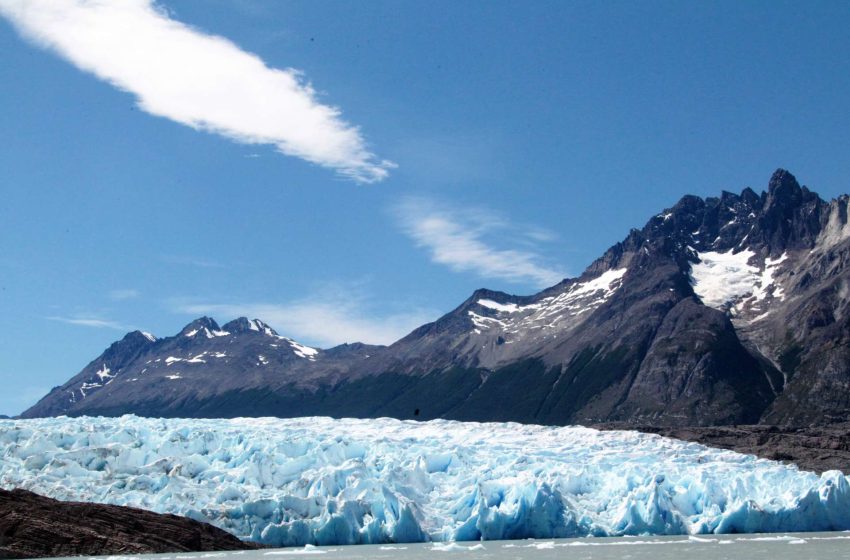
720	310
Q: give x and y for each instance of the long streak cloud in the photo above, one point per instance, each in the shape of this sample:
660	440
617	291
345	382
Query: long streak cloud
457	239
200	80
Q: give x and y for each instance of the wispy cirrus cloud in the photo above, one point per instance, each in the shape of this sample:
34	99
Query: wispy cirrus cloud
197	79
464	241
123	294
327	319
90	321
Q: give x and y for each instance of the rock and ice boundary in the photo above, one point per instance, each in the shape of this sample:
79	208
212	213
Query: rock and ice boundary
324	481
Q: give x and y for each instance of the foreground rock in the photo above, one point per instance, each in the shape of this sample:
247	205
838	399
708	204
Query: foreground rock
817	449
32	526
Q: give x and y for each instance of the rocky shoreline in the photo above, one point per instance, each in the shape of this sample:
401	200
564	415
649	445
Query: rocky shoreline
815	448
33	526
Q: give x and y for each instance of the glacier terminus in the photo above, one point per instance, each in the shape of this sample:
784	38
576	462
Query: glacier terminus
292	482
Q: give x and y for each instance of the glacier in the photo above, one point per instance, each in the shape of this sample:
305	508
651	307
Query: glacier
323	481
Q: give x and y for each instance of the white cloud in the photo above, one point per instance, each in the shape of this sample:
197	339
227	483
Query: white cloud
323	321
196	79
95	322
459	240
123	294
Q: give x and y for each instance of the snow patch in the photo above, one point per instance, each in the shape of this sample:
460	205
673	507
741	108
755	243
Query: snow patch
503	307
88	387
482	322
302	351
199	359
553	312
103	373
766	279
721	278
149	336
207	333
604	283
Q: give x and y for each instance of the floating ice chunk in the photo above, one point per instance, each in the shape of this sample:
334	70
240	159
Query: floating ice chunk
308	549
455	547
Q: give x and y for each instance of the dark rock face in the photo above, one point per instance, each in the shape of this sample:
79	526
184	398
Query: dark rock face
726	310
32	526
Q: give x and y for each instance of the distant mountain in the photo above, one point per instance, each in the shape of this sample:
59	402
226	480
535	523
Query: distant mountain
724	310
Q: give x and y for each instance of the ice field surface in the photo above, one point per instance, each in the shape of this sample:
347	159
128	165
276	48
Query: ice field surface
322	481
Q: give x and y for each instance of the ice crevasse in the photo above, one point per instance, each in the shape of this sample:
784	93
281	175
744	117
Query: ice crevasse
324	481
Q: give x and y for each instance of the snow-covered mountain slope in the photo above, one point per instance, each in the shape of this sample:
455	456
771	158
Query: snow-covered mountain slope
324	481
202	360
718	311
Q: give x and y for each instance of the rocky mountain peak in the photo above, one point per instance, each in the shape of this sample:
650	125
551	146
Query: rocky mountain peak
199	324
243	325
783	192
126	349
139	339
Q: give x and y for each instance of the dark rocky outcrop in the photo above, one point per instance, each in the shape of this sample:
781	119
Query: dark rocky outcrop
33	526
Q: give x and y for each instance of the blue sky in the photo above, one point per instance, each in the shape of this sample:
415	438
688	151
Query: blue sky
349	170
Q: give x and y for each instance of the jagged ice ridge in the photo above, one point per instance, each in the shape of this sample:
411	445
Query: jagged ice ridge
324	481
